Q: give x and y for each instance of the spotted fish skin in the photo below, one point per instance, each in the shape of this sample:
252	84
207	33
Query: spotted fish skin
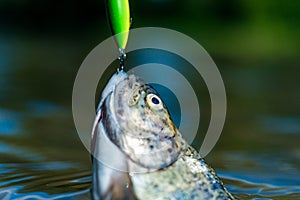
138	153
188	178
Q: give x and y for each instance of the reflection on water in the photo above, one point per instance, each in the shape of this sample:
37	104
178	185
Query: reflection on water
9	122
280	124
41	156
263	175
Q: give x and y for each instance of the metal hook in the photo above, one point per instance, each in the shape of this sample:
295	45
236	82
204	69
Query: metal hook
121	58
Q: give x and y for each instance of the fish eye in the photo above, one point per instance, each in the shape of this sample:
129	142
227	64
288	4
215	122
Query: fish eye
154	102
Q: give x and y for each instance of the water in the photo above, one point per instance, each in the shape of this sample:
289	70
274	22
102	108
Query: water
41	156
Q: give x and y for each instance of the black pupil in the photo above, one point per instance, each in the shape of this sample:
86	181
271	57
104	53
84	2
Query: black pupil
155	100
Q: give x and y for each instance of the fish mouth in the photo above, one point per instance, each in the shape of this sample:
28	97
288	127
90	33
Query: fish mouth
111	85
104	149
106	105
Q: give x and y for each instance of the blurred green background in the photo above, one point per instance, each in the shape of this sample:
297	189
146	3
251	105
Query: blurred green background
255	44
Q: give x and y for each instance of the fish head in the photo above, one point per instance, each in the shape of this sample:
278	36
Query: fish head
139	123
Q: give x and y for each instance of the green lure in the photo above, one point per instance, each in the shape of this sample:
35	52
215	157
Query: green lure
119	20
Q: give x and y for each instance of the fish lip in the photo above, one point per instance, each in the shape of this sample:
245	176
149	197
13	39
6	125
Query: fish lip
111	85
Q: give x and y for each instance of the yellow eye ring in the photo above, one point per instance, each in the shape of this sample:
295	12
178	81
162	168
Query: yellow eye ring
154	102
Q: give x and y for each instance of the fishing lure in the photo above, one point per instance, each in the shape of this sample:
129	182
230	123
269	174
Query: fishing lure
119	21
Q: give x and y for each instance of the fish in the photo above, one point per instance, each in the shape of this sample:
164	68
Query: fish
139	153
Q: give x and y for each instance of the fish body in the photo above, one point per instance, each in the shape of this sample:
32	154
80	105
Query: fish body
138	152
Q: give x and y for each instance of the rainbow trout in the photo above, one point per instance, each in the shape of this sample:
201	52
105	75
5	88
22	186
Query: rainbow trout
138	152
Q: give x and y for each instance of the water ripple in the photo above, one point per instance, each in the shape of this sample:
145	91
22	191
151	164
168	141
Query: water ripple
50	179
20	152
11	193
